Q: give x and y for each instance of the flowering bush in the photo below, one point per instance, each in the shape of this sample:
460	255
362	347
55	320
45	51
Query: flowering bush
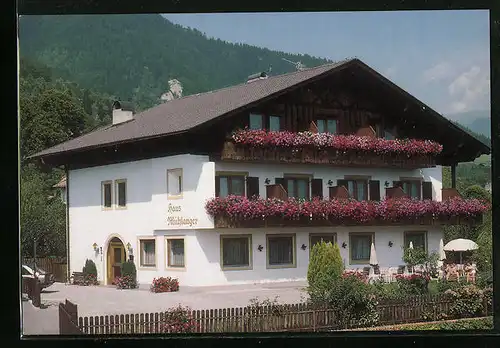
125	282
178	320
164	284
413	284
358	275
242	208
352	302
90	279
89	273
285	139
468	301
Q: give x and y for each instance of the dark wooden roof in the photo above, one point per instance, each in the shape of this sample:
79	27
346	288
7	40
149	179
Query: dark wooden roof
187	113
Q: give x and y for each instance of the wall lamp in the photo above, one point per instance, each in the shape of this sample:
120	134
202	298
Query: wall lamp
303	247
94	246
386	184
259	248
344	245
330	183
267	181
390	244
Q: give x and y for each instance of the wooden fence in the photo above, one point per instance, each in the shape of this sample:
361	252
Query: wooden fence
276	318
68	319
31	287
55	265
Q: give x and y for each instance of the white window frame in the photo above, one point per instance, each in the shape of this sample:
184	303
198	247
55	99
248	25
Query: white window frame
174	174
110	183
117	194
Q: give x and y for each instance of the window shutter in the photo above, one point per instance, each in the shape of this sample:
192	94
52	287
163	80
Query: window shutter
280	181
282	123
317	188
252	186
427	190
217	186
342	182
374	190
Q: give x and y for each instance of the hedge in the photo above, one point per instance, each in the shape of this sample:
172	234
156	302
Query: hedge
484	323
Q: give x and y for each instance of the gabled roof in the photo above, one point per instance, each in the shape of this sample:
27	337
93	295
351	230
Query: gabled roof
184	114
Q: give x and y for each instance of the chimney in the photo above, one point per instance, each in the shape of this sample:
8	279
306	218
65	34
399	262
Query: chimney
258	76
122	112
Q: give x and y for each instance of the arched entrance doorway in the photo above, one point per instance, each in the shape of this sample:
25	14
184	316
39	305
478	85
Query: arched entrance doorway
115	258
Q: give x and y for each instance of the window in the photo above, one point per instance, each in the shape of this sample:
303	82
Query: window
388	135
106	192
175	252
317	238
148	253
327	126
174	183
360	246
358	189
230	185
256	121
274	123
121	193
236	252
412	188
280	251
298	187
418	238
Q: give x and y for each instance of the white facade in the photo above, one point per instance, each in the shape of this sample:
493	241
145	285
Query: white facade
154	212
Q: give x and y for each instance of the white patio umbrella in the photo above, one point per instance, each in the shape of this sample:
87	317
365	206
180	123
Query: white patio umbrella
460	245
373	256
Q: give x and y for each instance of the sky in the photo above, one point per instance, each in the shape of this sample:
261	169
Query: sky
440	57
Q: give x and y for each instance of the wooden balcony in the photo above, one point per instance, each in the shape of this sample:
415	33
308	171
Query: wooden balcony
238	153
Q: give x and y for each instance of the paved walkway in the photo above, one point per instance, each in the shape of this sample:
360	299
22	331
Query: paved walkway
103	300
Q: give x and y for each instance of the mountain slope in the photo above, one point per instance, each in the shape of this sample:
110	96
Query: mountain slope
133	56
479	121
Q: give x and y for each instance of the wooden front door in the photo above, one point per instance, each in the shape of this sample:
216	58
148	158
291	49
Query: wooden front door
116	256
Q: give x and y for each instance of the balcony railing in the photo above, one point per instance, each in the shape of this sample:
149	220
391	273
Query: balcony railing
244	153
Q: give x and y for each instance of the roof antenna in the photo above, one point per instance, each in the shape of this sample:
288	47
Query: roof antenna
298	65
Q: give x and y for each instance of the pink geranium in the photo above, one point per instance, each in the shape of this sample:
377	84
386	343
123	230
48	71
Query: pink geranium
286	139
243	209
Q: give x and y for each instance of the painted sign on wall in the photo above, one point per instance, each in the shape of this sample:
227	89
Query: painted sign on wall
179	220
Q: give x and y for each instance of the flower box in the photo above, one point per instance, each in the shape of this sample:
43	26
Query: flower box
238	211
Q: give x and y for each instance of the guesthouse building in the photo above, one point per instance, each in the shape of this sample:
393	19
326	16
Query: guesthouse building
236	185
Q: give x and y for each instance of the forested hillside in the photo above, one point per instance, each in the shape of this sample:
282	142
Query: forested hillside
132	57
51	111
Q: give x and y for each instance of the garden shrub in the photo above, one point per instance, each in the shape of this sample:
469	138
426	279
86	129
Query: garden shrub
386	291
90	273
178	320
325	267
468	301
413	284
163	284
128	279
352	302
444	285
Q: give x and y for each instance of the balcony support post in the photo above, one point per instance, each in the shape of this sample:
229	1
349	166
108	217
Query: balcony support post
454	175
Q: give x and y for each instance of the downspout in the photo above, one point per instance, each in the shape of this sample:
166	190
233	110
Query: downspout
67	224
